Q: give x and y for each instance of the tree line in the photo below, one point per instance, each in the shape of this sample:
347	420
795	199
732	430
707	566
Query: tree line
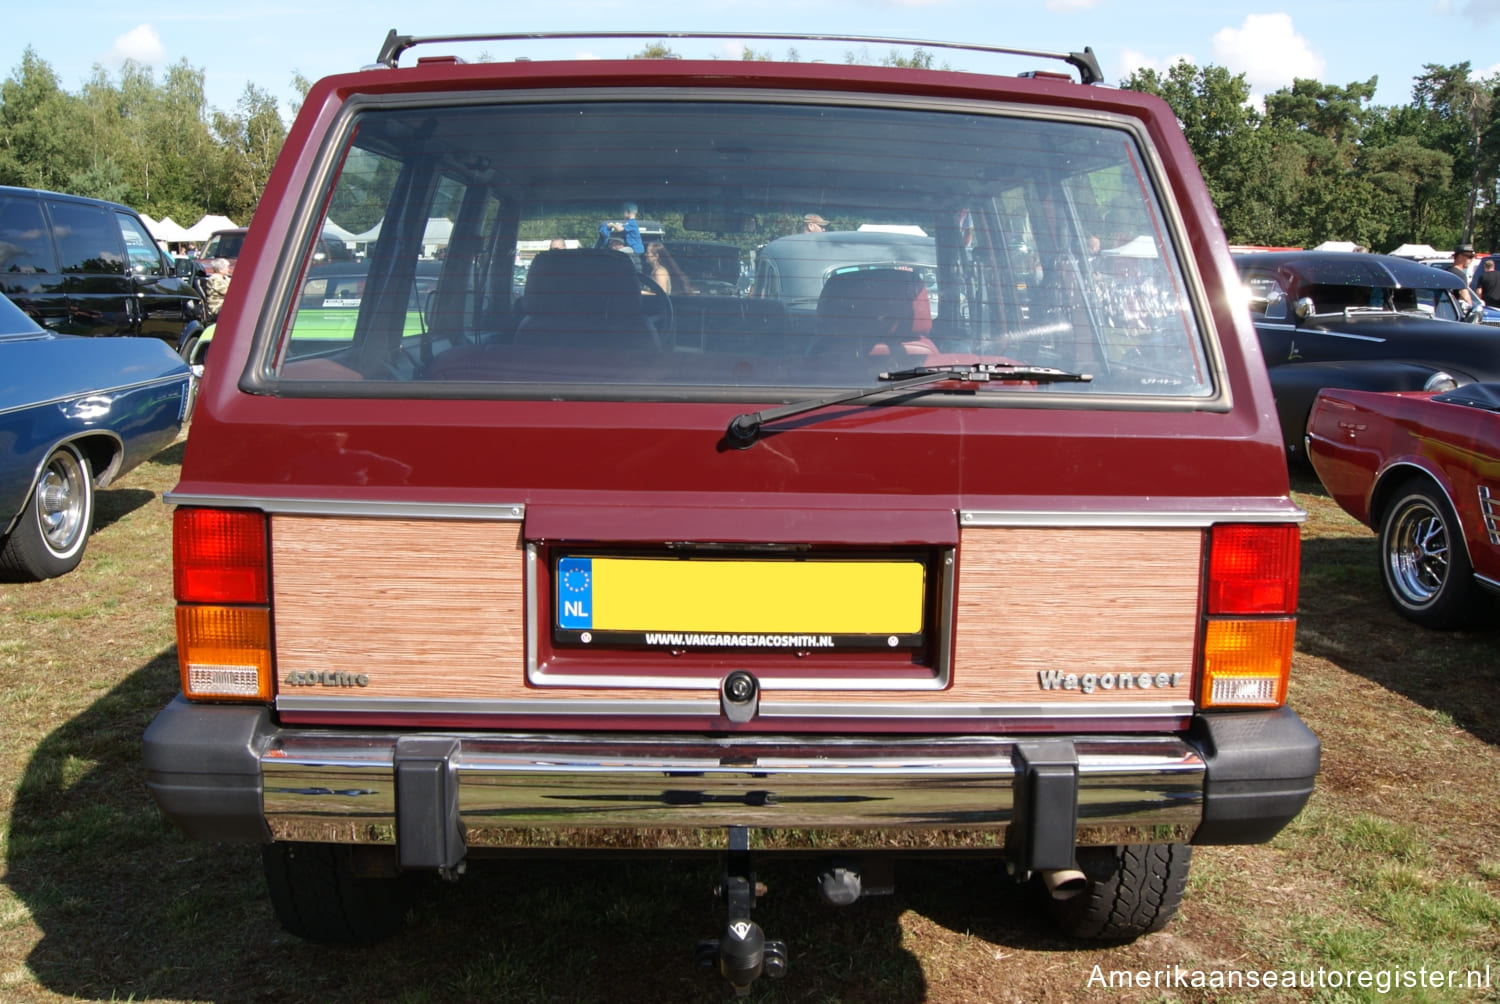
154	145
1317	162
1321	162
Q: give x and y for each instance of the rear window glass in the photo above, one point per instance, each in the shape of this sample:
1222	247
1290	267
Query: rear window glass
697	249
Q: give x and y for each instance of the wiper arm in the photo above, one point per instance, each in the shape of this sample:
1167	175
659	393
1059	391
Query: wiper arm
745	428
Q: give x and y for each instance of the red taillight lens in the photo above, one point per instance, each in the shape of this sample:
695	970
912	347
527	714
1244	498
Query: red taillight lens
1252	604
1253	569
220	556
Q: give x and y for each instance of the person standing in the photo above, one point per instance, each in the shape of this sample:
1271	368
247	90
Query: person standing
1463	254
1487	283
812	223
216	284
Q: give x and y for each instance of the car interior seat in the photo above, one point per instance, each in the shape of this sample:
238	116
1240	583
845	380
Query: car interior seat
583	299
875	311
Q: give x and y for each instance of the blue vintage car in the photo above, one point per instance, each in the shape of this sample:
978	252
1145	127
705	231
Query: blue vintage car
75	413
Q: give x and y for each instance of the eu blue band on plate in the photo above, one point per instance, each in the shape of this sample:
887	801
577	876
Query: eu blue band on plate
575	594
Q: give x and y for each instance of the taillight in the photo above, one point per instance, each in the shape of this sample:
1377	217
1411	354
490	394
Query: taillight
221	577
219	556
1251	615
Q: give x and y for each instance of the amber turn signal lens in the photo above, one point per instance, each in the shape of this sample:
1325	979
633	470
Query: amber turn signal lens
224	653
1246	663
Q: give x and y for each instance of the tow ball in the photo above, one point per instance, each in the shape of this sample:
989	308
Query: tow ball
742	954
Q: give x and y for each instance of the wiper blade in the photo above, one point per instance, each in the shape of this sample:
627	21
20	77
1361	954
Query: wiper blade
745	428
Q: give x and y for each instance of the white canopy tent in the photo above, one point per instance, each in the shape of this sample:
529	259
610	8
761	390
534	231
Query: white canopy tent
438	233
1337	246
1421	252
166	229
204	228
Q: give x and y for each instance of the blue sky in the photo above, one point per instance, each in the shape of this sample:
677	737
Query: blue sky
265	42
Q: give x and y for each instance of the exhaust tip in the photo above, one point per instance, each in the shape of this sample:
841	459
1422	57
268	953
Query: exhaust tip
1064	883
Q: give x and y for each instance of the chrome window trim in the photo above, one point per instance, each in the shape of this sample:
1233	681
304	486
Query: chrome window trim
259	377
500	512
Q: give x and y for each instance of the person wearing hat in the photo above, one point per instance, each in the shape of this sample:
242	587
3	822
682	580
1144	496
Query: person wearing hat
626	230
812	223
1463	255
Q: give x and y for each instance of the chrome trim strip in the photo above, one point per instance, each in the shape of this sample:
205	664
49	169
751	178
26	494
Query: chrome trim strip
769	708
506	781
109	392
1125	518
1319	331
1489	511
500	512
1063	711
533	613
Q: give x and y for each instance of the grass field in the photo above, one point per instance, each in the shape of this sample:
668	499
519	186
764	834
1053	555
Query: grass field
1393	871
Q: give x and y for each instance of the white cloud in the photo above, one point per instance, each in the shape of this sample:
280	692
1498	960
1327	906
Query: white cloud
1482	11
1130	61
1268	51
141	44
1070	6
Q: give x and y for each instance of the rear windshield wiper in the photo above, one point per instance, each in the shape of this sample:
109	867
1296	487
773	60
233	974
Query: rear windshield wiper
744	429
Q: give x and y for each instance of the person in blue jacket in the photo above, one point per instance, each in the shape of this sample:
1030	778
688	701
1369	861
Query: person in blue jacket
626	229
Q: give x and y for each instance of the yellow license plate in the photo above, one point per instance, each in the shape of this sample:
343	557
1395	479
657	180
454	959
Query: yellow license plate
719	603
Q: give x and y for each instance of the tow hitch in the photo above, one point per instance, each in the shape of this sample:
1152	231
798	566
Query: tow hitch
741	954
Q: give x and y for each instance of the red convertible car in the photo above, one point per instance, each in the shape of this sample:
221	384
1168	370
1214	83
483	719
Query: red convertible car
1423	471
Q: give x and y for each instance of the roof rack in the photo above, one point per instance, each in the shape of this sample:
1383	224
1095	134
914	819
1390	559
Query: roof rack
395	44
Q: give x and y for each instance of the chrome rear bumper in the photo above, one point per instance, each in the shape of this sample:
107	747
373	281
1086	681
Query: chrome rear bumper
227	773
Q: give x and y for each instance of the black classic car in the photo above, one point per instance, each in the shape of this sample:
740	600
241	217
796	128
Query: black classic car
1362	322
81	266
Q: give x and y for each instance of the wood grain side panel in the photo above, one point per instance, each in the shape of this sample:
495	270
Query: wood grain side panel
424	608
1121	603
436	609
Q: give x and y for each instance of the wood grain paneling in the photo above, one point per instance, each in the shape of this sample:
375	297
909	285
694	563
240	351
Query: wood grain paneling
436	609
1078	600
423	608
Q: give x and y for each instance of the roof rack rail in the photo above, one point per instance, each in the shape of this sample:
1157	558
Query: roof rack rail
395	44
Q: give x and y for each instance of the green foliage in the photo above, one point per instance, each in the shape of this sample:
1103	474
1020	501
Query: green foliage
1322	163
1319	163
152	144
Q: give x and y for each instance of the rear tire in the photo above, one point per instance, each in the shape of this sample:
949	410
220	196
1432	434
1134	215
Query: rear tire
1424	564
318	895
49	538
1133	889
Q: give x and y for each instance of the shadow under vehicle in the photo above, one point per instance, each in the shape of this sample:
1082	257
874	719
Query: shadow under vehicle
1359	321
